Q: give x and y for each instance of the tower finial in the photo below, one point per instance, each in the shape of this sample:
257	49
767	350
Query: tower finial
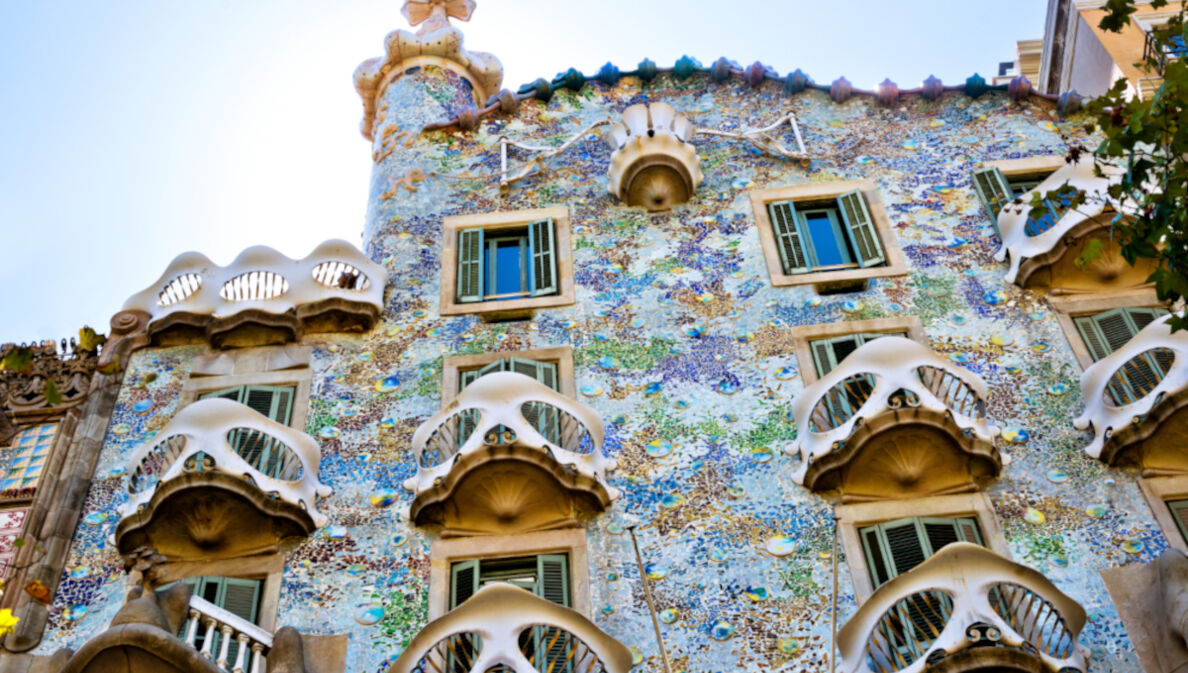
435	14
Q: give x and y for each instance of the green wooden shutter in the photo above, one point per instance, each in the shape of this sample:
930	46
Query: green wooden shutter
905	544
552	578
1117	327
994	190
470	265
235	394
464	581
1178	509
1145	316
876	562
860	228
466	378
1091	334
789	242
541	244
823	357
275	402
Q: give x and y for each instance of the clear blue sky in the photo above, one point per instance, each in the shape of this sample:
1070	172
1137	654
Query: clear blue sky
132	131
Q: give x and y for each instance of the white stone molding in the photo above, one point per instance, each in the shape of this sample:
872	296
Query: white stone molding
895	364
483	634
1012	219
437	42
199	433
495	402
1102	413
655	164
980	604
262	279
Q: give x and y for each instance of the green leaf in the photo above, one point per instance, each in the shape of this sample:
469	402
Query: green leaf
1093	251
89	340
51	392
18	542
19	360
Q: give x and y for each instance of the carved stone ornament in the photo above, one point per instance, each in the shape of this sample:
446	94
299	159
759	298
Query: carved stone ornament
437	42
654	165
221	479
484	634
262	298
965	609
23	394
1139	416
509	455
894	420
1048	257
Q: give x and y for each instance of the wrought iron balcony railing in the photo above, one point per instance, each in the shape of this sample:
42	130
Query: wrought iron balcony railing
965	603
1131	391
506	629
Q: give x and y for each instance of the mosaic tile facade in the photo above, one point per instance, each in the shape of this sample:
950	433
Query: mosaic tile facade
681	345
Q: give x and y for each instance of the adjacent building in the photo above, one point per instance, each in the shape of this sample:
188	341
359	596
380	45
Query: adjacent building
669	368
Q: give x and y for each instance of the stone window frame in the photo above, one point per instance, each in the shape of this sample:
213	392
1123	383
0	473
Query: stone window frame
270	568
571	541
824	280
1012	168
453	365
1069	307
562	249
264	366
1157	491
849	518
801	336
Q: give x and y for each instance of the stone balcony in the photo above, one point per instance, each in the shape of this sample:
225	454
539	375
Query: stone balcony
1042	250
262	297
220	479
509	455
894	420
1135	402
965	609
505	628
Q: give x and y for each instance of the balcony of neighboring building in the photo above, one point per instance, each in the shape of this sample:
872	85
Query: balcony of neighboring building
1136	402
894	420
261	298
504	628
965	609
220	480
509	454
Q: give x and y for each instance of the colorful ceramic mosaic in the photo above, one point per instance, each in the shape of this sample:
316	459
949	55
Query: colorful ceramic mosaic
24	460
681	345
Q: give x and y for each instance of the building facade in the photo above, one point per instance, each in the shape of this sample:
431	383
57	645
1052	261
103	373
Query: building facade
673	369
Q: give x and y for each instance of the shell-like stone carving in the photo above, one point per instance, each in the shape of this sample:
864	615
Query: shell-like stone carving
654	165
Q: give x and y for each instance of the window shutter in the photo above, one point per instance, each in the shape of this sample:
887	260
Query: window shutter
861	229
1145	316
789	242
1179	508
823	357
1094	340
544	260
968	528
526	367
994	191
241	598
466	378
470	265
553	578
940	532
905	544
1116	327
234	394
876	561
464	581
275	402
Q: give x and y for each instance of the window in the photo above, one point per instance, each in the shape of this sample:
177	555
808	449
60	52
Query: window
506	261
895	547
1178	508
833	235
25	458
836	234
544	418
546	575
261	450
240	597
829	353
1108	331
12	526
1000	184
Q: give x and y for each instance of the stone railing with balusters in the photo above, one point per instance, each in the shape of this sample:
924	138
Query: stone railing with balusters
1131	391
504	409
335	288
505	628
965	604
887	374
221	439
1023	238
238	647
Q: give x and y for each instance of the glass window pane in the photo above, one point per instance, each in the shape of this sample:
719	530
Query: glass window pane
830	251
